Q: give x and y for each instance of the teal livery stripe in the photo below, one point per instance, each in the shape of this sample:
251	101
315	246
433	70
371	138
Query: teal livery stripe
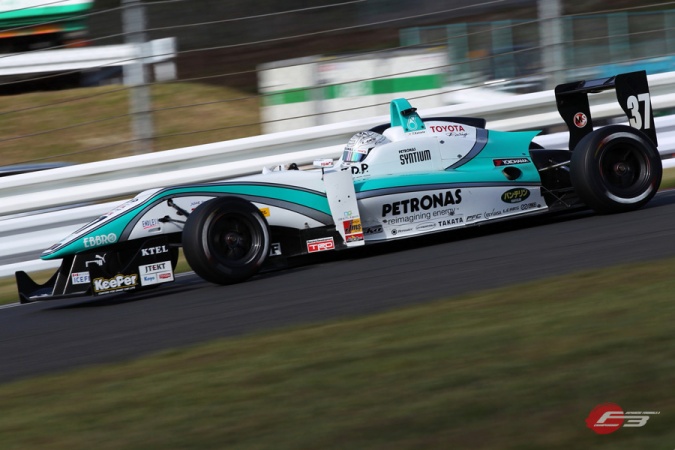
441	180
432	187
304	198
311	199
362	88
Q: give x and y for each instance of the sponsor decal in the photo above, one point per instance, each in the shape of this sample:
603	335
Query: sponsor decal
265	212
515	195
194	204
455	221
474	217
580	120
446	128
412	124
373	230
154	250
323	163
117	283
355	237
150	223
352	226
607	418
491	214
415	157
156	273
80	278
320	245
419	217
97	241
510	162
397	231
99	261
275	249
530	205
425	226
357	169
426	202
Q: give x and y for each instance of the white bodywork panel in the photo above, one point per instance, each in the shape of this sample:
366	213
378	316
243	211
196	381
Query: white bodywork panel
343	206
414	213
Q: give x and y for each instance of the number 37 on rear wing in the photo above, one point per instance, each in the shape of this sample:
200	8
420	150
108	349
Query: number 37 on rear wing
632	93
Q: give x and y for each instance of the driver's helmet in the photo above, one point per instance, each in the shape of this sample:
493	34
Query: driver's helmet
360	145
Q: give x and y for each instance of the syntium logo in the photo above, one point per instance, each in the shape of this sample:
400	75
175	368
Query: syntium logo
415	157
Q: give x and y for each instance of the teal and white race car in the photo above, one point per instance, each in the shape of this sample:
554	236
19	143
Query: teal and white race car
409	177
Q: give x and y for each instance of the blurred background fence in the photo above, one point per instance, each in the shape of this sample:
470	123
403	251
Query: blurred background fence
248	67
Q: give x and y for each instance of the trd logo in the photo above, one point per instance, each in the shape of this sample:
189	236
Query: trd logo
320	245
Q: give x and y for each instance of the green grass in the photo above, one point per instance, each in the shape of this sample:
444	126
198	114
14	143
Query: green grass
91	124
517	368
668	181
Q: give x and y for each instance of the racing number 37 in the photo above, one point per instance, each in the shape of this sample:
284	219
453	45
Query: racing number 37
633	103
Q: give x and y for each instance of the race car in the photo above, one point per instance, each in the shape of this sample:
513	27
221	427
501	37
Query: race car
410	177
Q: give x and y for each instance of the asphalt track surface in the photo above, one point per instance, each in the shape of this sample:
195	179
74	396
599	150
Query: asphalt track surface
50	337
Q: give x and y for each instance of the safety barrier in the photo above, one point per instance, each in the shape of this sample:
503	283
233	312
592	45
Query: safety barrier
95	57
22	237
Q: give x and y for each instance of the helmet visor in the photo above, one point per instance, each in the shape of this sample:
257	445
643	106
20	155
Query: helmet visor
354	154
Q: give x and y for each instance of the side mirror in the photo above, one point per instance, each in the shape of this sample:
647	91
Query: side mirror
323	163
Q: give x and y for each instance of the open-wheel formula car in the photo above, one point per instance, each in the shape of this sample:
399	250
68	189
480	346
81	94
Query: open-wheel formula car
409	177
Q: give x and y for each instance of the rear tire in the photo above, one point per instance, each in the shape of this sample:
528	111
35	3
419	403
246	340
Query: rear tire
615	169
226	240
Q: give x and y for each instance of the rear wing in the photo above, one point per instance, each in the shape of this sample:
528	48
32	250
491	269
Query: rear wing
632	93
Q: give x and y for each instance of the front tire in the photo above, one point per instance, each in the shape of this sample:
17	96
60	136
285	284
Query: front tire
615	169
226	240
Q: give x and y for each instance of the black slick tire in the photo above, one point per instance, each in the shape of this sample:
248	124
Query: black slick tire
615	169
226	240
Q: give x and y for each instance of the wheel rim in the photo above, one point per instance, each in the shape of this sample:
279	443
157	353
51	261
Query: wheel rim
625	170
233	239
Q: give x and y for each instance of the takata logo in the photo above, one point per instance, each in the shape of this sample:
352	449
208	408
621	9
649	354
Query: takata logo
609	417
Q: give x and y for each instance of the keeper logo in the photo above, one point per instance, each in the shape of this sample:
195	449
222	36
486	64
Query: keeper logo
116	283
609	417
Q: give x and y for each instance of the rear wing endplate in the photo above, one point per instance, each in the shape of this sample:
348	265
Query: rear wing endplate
632	93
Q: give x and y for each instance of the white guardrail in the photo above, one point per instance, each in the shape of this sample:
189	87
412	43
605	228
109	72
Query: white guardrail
24	235
159	52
